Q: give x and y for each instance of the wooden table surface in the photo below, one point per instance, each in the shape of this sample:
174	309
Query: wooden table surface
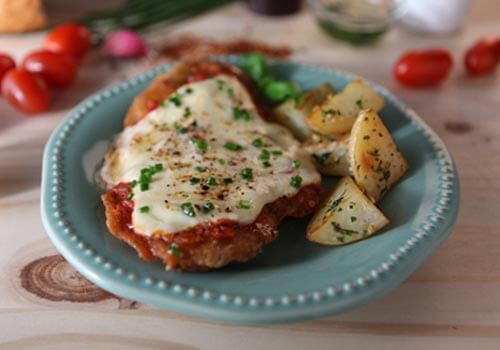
451	302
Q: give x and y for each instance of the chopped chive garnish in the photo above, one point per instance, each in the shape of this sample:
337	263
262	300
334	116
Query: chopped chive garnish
130	195
359	103
266	164
187	112
247	174
334	206
176	100
374	152
241	114
220	84
257	143
146	176
222	161
230	92
144	209
227	180
202	145
321	158
277	152
180	129
244	205
200	169
194	180
188	209
232	146
296	164
189	91
330	112
207	207
342	231
174	250
296	181
211	181
264	155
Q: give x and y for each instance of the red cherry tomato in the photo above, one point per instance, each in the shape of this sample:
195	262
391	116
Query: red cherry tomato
26	91
57	69
496	48
70	38
6	64
483	57
423	68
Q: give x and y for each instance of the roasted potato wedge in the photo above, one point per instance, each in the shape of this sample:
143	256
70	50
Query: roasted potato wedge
337	114
346	216
376	162
330	155
293	117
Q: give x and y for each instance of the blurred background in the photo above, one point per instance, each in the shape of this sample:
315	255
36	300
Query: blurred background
440	57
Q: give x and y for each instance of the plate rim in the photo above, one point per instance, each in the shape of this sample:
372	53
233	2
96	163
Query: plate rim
211	304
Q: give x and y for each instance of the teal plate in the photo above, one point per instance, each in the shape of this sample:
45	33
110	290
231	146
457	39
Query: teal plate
292	279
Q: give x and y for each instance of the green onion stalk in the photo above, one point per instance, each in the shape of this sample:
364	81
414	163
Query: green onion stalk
141	14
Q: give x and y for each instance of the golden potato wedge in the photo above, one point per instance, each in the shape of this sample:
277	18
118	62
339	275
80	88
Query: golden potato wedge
346	216
293	117
337	114
375	160
330	155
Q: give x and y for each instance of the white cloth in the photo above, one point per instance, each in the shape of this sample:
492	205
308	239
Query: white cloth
435	16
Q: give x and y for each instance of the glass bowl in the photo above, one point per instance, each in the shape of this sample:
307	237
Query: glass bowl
356	21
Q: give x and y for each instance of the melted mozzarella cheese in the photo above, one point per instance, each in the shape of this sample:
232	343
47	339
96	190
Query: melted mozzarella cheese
206	114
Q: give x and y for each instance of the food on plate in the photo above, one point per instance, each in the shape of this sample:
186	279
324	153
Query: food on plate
376	163
201	176
26	91
331	155
336	115
358	147
355	152
423	68
200	179
292	114
345	217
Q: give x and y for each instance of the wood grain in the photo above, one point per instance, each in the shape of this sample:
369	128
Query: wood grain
452	301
